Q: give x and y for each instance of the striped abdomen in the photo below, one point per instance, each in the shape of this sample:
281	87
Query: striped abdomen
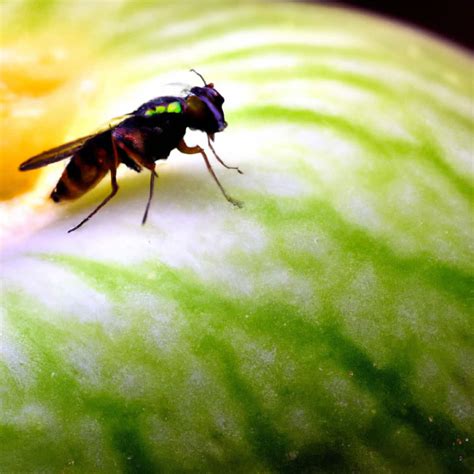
85	169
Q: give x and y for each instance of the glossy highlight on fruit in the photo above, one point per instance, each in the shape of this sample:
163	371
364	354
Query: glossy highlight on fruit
324	327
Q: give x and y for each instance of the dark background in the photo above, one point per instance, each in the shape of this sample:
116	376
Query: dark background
452	19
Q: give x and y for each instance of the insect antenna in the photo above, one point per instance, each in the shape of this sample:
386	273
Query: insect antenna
200	75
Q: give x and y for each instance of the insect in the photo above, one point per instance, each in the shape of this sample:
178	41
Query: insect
138	140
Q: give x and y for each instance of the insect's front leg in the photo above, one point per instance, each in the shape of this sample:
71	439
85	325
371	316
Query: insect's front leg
192	150
219	159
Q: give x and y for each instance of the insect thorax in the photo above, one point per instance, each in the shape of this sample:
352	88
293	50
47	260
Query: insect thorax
162	105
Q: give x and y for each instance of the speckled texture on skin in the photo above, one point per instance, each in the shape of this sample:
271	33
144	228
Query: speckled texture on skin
324	327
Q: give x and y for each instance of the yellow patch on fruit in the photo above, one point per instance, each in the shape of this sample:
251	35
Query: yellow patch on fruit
41	88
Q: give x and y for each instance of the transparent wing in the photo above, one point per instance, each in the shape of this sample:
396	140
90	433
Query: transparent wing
112	123
179	89
68	149
55	154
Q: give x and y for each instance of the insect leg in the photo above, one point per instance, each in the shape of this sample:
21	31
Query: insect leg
150	195
140	160
220	160
183	148
113	178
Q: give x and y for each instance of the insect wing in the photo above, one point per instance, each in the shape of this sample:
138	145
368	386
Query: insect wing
55	154
68	149
112	123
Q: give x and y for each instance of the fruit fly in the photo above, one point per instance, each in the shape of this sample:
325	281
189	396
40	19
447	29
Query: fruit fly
138	140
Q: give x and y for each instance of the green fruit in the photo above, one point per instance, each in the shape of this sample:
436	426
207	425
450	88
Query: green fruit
324	327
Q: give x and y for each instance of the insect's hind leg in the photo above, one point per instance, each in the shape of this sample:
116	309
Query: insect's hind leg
150	194
138	158
220	159
113	179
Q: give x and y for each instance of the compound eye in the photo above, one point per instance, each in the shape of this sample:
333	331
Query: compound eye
215	95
